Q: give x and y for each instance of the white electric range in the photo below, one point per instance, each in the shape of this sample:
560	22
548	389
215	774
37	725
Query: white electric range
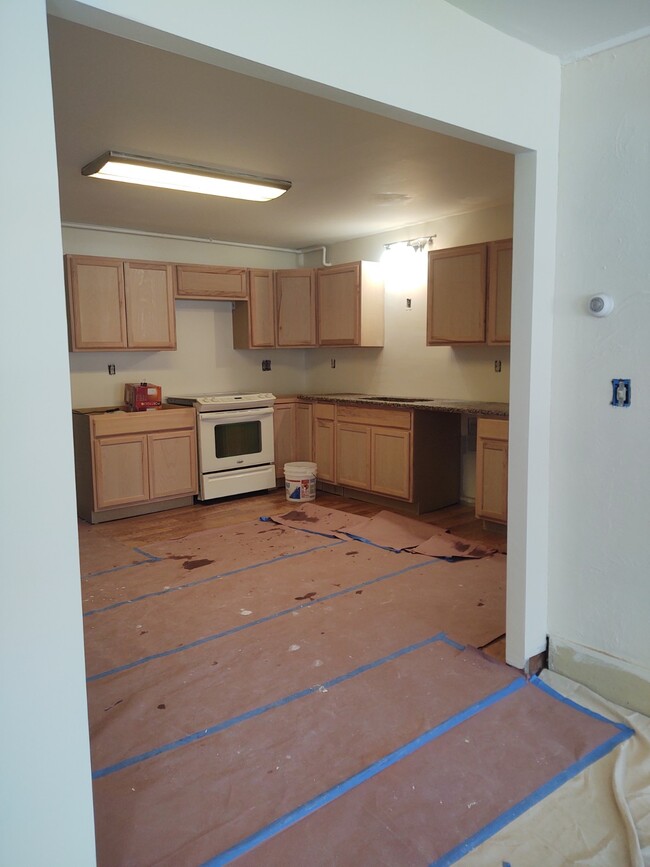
235	442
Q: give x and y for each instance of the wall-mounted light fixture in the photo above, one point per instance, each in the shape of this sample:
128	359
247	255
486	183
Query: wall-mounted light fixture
150	172
417	245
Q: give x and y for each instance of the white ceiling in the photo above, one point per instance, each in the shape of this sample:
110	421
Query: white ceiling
570	29
354	173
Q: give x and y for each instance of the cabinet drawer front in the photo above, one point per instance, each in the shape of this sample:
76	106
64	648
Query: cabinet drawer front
324	410
113	424
492	428
399	418
208	281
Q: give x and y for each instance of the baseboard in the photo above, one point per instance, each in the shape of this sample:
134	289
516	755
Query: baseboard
612	678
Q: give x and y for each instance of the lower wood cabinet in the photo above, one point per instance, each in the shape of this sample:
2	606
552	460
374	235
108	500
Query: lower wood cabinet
383	454
373	450
292	424
492	469
133	463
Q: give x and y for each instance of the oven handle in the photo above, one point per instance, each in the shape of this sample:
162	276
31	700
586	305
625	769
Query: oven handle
236	414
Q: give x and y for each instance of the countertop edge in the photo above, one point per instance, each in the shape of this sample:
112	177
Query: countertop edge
469	407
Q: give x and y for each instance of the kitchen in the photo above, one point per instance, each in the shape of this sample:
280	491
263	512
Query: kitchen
515	100
204	360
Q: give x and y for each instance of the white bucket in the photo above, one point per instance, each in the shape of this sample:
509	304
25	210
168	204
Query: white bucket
300	481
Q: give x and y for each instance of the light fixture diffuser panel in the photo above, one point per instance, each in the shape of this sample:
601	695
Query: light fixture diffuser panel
145	171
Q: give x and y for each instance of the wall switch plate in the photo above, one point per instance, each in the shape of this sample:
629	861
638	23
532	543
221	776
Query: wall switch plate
621	392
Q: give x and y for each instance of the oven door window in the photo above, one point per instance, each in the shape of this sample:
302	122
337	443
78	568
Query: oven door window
237	438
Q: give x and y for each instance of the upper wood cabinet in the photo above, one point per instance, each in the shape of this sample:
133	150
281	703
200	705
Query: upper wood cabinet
216	282
115	304
295	306
253	321
456	295
499	292
468	294
351	305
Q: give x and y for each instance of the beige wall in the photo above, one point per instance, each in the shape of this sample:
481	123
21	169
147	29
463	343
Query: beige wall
206	361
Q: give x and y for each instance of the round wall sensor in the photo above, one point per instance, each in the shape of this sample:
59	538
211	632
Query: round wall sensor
601	305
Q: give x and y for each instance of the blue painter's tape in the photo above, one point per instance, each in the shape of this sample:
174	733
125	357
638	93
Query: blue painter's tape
294	816
210	578
229	723
149	558
624	732
199	641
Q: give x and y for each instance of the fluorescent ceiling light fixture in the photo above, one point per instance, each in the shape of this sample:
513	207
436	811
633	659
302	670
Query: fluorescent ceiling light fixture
150	172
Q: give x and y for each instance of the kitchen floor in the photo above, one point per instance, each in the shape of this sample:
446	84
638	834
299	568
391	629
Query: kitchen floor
191	627
96	539
240	672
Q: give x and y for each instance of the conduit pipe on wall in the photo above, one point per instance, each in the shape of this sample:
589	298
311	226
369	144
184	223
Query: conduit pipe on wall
144	233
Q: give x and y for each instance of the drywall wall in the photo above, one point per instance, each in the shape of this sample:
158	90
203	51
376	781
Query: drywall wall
599	592
46	814
406	365
204	360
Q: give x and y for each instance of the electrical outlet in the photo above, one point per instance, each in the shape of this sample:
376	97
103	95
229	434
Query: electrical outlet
408	304
111	370
332	363
266	364
497	366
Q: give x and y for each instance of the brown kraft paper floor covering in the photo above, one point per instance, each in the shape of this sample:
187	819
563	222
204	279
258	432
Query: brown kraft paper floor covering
305	657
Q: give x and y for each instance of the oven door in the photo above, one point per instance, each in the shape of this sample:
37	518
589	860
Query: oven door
231	440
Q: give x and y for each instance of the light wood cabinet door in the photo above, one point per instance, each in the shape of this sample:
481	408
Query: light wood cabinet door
390	459
120	305
295	304
303	432
216	282
172	464
324	443
499	292
492	470
350	305
339	302
353	455
456	295
96	306
121	471
149	301
253	321
284	438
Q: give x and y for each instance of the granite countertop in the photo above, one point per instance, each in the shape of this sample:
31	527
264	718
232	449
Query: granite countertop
436	404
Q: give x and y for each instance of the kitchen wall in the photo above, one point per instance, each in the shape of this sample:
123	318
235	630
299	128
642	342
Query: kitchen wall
206	361
599	592
406	365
